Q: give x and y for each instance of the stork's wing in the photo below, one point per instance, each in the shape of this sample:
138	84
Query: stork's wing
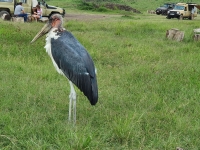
77	65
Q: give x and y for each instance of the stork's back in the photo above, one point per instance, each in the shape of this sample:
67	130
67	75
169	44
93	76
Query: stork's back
76	64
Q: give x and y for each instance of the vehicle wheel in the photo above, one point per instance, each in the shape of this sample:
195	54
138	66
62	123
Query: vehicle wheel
4	12
164	13
181	17
168	17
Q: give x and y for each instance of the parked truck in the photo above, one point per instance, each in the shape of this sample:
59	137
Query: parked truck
183	10
164	8
8	6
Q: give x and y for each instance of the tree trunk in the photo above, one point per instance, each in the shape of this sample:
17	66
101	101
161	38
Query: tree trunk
196	36
175	34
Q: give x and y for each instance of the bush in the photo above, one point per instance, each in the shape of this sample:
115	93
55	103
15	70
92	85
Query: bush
87	6
102	9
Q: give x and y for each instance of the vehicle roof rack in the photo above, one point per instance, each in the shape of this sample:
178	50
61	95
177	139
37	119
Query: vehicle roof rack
190	3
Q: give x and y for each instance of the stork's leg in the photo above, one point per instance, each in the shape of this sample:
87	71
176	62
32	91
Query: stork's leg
72	97
74	110
70	107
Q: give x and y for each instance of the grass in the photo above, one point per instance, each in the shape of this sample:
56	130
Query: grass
148	87
141	5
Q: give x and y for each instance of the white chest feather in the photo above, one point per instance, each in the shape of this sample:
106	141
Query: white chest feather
50	35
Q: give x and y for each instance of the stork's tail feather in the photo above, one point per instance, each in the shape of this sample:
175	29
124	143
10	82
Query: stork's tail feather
94	96
90	90
88	85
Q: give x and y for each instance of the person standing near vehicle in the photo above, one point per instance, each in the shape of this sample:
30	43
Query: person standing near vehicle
19	11
192	13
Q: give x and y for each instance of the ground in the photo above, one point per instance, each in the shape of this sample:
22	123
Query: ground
73	16
97	16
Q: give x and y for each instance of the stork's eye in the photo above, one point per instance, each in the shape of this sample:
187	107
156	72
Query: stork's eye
51	19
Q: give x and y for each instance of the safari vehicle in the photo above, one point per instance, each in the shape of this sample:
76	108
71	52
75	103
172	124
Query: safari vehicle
7	7
164	8
183	10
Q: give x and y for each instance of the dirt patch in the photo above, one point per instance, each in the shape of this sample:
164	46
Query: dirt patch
88	17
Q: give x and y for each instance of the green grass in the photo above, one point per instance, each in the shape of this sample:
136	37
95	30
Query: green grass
148	87
141	5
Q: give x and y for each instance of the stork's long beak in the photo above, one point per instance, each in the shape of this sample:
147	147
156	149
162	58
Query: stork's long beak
42	32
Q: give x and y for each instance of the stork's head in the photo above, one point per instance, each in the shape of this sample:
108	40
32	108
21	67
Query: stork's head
55	21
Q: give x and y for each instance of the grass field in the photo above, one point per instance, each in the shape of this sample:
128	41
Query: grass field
141	5
148	87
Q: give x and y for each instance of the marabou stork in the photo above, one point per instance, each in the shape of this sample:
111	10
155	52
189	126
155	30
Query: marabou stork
70	59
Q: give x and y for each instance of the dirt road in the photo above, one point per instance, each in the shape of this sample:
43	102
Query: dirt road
87	17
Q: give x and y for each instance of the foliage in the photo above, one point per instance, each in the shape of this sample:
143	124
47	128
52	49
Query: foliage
92	6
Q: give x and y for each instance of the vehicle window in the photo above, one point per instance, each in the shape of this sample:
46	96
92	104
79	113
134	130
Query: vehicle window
6	0
165	6
177	7
23	1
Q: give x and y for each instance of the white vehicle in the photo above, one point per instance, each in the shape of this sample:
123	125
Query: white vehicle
183	10
7	7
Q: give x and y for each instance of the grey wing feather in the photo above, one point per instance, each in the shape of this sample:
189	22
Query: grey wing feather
77	65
